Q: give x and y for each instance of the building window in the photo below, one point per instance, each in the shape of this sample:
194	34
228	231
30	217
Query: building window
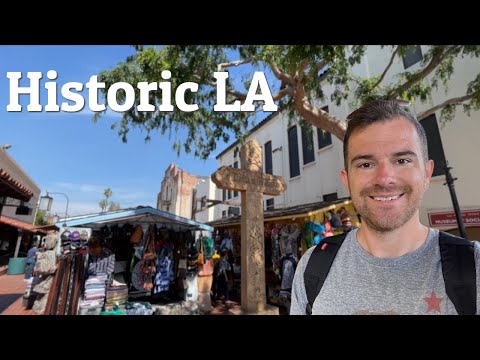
268	158
224	194
412	56
307	146
270	205
233	211
330	197
293	152
235	152
435	147
224	213
229	194
324	137
235	165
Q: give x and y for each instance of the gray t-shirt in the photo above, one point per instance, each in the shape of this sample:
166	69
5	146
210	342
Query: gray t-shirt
359	283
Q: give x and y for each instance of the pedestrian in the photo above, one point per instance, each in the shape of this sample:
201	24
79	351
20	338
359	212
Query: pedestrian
31	259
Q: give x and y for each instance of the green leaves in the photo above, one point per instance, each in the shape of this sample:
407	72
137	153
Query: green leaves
297	73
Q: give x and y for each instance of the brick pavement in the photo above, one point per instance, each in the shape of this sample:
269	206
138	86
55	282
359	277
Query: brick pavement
12	288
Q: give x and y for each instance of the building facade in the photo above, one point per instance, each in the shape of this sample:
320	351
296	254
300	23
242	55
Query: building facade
19	194
181	194
310	160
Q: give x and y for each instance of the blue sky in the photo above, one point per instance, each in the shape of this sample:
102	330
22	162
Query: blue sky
67	152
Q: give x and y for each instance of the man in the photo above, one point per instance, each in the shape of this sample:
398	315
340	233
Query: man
392	263
31	259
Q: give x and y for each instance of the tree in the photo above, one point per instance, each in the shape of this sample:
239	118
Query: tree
114	206
108	194
40	218
299	71
103	204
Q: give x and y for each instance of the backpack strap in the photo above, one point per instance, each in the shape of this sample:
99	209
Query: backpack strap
459	273
318	267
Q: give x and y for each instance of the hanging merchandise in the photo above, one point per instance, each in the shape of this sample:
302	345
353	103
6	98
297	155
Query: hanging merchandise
137	235
288	240
317	239
200	259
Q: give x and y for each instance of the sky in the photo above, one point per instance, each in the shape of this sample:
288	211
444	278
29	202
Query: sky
67	152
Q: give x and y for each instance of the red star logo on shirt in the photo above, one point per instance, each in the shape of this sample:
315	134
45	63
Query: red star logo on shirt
433	302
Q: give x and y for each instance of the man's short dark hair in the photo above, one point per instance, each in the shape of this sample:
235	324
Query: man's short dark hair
381	111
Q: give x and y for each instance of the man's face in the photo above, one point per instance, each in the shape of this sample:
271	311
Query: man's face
387	176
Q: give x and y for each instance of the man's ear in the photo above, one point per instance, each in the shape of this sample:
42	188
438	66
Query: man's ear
429	167
344	177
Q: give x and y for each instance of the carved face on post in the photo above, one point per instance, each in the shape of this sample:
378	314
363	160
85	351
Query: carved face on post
251	156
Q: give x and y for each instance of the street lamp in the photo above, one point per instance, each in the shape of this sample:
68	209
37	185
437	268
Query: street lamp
46	204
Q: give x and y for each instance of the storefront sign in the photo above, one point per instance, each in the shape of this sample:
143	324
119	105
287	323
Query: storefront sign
447	218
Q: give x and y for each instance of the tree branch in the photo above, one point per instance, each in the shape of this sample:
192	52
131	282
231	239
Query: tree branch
316	116
434	62
300	73
280	75
386	69
233	63
282	93
457	100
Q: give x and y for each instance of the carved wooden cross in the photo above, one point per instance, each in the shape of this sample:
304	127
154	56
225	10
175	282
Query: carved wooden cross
252	184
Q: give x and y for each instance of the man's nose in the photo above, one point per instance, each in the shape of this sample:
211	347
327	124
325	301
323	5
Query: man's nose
385	174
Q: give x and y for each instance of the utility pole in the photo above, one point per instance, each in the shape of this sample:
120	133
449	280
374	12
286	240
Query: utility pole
451	187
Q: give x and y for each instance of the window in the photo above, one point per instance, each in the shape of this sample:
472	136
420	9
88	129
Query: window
270	205
330	197
293	152
435	147
235	165
324	137
412	56
224	194
268	158
307	145
233	211
224	213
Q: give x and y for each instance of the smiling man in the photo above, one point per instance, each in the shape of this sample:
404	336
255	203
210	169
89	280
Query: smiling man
393	263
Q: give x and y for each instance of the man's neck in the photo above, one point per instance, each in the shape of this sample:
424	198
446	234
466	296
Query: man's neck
394	243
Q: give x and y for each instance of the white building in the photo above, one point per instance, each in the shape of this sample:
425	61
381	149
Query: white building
312	173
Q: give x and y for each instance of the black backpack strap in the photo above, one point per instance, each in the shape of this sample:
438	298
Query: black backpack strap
318	267
459	273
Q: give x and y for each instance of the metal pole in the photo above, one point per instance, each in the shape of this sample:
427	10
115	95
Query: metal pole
453	195
66	211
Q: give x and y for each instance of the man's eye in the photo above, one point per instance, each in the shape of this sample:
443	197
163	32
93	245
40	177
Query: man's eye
404	161
365	165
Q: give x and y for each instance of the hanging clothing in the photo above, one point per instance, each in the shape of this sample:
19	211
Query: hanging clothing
164	276
288	240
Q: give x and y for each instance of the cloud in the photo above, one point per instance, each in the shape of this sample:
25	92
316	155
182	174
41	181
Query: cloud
75	208
84	188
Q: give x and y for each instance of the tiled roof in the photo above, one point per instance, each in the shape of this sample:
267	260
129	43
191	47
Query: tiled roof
8	185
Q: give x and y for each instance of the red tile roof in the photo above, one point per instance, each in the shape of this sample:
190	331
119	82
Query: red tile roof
16	185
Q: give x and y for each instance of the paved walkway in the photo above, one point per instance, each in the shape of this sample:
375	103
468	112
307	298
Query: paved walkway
12	288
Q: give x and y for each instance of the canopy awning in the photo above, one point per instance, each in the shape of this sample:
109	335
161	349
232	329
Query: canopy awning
18	224
139	215
288	213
